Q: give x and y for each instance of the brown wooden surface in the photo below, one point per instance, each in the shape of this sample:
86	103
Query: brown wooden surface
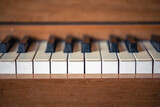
97	31
79	10
80	93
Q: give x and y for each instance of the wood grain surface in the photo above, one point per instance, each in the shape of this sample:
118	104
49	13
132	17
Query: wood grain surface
96	31
79	10
80	92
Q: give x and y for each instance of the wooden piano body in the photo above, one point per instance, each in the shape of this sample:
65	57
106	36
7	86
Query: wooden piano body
95	18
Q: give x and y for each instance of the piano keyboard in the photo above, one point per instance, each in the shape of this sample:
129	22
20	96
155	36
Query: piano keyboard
75	57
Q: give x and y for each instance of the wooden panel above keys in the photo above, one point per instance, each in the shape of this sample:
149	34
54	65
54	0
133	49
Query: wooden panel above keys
81	11
43	32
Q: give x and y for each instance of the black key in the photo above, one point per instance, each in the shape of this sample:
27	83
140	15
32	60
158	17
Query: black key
7	43
69	44
24	44
113	44
86	44
52	41
131	43
155	40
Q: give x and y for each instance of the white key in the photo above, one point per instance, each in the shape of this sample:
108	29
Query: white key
42	60
126	60
25	60
76	60
143	60
109	60
7	61
59	60
93	60
155	55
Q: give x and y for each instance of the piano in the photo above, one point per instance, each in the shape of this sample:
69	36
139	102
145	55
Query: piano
67	53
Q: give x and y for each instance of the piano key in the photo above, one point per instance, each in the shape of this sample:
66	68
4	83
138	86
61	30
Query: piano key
143	60
155	40
76	60
6	44
1	54
69	45
113	44
8	61
109	60
126	60
155	56
93	60
59	60
24	44
131	44
42	60
25	60
86	44
51	44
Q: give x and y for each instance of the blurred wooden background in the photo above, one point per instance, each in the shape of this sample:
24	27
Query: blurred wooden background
79	10
97	31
